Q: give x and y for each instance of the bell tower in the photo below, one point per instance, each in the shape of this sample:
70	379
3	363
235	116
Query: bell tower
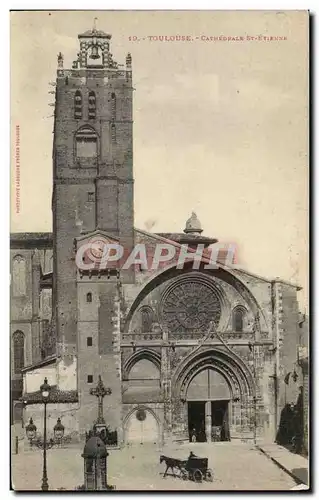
92	166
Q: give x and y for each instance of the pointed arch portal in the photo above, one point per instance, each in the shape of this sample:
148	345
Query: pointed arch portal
216	388
141	426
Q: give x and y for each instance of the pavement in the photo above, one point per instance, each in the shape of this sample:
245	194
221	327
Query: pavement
236	467
293	464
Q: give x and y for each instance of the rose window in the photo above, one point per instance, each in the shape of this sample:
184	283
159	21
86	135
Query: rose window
191	306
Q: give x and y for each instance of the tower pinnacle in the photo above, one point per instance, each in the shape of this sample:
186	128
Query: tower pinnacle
193	225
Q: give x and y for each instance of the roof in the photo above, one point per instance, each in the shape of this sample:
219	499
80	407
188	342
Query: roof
36	240
189	238
56	396
96	33
39	364
31	240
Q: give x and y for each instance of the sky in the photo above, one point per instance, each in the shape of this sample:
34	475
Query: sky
220	127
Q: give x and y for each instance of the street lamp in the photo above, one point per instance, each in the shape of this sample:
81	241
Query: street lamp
59	431
31	430
45	391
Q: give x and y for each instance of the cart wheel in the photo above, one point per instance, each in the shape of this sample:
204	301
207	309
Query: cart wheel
209	475
184	474
197	476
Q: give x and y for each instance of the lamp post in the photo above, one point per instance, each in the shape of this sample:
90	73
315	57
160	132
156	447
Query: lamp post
45	391
31	430
58	431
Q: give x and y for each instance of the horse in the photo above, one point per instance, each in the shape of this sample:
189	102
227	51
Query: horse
171	463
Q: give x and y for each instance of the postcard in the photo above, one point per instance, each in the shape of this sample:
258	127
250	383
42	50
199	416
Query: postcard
159	250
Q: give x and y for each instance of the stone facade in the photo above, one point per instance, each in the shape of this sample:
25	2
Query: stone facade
303	362
30	302
145	331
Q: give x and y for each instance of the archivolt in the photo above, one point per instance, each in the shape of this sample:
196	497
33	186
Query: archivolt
149	354
232	367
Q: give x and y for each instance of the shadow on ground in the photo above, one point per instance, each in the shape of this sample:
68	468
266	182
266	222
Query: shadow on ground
301	474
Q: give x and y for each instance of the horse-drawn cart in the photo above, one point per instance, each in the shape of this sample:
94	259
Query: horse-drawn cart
194	468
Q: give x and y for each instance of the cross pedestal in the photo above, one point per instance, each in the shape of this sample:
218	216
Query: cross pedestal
100	392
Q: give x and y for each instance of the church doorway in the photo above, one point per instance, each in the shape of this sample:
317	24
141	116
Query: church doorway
208	401
196	421
220	422
208	421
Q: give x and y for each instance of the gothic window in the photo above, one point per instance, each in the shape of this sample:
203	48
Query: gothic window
78	105
91	196
238	319
18	276
113	106
86	143
146	319
89	297
190	305
18	351
113	133
92	105
144	369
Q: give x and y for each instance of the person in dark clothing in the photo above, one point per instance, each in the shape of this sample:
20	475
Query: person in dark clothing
225	434
298	424
285	432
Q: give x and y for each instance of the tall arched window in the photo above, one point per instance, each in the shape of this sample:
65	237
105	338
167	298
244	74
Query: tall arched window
78	105
92	105
113	106
238	319
18	276
18	351
146	319
86	143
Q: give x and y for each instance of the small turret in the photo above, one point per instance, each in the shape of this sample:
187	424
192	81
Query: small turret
193	225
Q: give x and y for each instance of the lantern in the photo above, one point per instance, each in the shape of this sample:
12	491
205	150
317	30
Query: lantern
95	465
31	430
58	430
45	390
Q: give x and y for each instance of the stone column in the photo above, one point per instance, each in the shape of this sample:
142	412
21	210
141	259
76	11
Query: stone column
166	390
208	421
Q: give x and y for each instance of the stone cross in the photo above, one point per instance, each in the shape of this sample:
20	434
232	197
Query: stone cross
100	392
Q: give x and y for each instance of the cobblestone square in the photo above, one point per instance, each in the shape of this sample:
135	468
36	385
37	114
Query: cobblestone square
236	467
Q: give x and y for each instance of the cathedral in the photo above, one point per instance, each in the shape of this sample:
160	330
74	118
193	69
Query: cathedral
184	352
